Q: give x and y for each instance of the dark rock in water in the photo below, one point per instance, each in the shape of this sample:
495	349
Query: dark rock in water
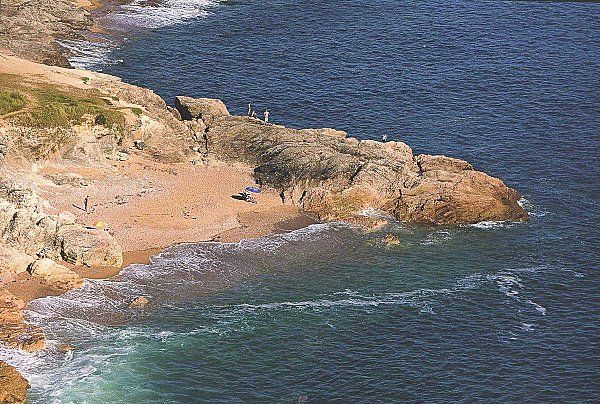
336	177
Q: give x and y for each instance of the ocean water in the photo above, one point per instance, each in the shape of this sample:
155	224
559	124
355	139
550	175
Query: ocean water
492	312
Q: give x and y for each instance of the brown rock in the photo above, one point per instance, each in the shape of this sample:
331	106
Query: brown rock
89	246
13	386
336	177
30	28
55	275
391	239
428	162
139	302
14	332
13	262
207	109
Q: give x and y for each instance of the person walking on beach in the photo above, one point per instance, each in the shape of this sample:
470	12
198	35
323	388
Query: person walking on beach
266	114
85	203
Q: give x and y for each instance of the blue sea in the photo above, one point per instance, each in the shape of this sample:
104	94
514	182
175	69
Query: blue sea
494	312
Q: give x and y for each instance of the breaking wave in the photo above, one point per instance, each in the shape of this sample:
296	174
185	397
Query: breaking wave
157	14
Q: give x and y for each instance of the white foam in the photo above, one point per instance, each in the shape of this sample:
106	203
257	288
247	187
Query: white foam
538	307
437	237
90	55
420	298
152	14
490	224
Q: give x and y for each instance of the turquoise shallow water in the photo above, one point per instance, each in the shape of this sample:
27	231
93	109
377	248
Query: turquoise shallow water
494	312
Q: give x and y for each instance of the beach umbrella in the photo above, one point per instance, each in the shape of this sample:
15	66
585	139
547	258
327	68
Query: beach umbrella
253	190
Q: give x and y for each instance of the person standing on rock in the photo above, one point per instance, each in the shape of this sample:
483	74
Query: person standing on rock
384	138
85	203
251	111
266	114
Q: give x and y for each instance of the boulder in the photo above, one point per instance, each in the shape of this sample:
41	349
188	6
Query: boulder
139	302
91	247
13	262
206	109
13	386
55	275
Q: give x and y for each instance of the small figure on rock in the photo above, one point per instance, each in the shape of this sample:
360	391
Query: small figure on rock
85	203
251	111
384	138
266	114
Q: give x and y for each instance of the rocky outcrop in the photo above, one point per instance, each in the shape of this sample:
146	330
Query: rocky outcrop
89	247
54	275
337	177
25	227
13	386
13	262
206	109
139	302
14	332
30	29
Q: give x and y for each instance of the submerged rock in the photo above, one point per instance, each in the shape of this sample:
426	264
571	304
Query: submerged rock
139	302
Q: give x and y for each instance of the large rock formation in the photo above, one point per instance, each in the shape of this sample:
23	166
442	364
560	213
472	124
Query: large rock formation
31	28
13	386
14	332
55	275
25	226
337	177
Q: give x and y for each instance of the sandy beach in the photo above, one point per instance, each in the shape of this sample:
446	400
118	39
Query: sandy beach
149	206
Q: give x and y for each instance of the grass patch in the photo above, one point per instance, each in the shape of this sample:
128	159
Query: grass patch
11	101
59	109
137	111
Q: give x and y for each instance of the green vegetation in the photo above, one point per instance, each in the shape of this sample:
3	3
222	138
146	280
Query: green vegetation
59	109
11	101
137	111
85	80
54	110
53	107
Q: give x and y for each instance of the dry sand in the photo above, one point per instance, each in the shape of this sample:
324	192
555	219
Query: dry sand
148	205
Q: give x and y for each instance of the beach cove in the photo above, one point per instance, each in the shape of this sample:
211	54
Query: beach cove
261	291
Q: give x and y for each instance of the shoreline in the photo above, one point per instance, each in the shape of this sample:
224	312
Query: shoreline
155	184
